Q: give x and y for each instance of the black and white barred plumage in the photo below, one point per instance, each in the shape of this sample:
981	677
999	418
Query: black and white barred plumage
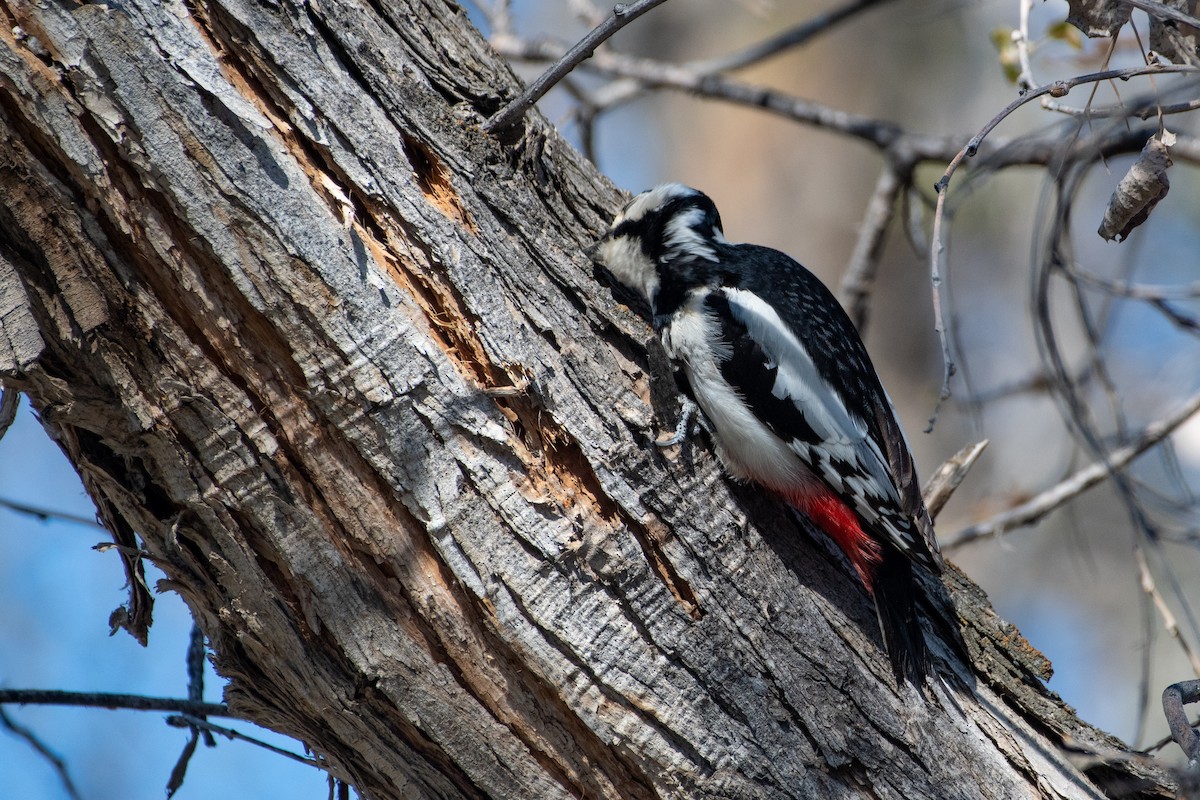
794	402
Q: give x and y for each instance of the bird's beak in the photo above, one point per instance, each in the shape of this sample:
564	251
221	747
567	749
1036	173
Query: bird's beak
592	251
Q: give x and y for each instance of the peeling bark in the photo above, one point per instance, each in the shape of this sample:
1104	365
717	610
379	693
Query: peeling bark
332	358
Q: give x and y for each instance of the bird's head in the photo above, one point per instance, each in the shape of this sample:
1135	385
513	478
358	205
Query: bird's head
665	228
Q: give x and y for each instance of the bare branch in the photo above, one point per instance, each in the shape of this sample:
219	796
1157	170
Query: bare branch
1025	80
179	771
659	75
1036	382
1138	291
941	486
189	721
1033	510
860	273
792	37
46	514
1055	89
1170	624
1141	110
1179	318
134	702
622	15
936	248
195	671
1156	9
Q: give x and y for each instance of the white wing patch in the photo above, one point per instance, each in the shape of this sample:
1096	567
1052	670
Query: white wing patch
797	378
747	447
848	459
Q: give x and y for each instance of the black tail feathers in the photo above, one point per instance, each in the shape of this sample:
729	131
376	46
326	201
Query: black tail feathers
896	606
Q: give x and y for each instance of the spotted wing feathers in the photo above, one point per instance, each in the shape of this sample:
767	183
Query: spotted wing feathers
845	433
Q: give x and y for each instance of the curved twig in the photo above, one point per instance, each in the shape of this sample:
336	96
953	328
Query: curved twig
1055	89
1174	698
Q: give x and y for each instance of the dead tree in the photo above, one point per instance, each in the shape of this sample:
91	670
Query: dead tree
330	355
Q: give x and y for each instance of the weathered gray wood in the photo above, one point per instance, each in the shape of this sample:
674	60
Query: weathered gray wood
334	354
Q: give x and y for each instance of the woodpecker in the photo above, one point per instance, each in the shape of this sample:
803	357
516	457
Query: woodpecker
792	399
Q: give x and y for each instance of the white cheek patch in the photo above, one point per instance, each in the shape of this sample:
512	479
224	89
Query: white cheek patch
623	257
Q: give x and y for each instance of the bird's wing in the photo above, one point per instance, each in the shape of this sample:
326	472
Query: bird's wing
832	428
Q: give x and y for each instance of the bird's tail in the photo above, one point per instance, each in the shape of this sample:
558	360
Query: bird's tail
896	606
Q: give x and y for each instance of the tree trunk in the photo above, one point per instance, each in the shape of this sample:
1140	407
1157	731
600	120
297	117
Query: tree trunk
331	357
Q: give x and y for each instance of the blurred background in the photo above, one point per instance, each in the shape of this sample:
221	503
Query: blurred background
1074	583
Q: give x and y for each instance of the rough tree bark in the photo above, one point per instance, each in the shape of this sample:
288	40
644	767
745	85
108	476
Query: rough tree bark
331	357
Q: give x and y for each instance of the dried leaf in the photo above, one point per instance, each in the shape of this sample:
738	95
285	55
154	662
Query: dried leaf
1172	40
1140	190
1098	17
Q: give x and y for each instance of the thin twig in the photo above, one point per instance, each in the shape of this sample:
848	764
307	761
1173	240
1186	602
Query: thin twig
1170	624
1037	382
1139	110
32	739
1146	653
1033	510
46	514
1168	569
194	661
179	771
187	720
936	248
792	37
134	702
1025	80
1166	740
1138	291
1178	318
622	15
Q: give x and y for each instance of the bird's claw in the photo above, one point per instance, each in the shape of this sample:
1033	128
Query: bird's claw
686	412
